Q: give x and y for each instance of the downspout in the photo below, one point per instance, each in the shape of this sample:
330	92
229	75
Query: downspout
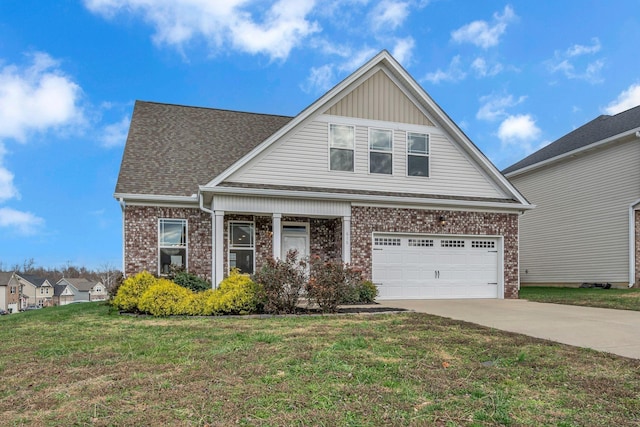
632	242
123	205
213	238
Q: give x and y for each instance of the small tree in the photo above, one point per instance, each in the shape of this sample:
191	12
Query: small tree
282	282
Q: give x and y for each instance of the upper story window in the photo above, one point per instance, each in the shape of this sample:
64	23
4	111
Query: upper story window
172	241
380	151
341	147
242	246
417	154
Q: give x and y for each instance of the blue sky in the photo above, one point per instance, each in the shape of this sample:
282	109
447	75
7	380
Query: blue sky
514	75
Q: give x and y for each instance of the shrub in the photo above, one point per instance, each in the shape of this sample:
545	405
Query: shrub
282	282
331	283
196	304
189	281
131	290
367	292
237	294
164	298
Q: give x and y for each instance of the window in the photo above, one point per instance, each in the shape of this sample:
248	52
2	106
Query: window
380	151
452	243
341	146
386	241
13	289
241	246
417	154
427	243
172	238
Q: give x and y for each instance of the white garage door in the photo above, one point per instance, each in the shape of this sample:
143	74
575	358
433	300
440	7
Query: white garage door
435	267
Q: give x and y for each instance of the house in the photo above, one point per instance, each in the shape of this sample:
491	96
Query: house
62	294
374	173
82	289
586	188
35	291
9	292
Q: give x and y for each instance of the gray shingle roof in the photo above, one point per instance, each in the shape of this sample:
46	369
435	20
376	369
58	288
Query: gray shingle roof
596	130
172	149
5	276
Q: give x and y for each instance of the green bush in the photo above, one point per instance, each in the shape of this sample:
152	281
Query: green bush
164	298
367	292
237	294
282	282
189	281
196	304
131	290
331	283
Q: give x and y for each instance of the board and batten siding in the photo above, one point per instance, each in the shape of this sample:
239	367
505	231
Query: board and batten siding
379	98
579	230
303	160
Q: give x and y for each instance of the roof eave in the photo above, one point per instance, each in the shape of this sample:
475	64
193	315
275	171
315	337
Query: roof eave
577	151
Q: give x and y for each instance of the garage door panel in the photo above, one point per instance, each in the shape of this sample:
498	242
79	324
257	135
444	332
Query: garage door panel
420	267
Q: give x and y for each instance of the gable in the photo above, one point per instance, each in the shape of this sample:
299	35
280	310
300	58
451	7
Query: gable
379	98
301	157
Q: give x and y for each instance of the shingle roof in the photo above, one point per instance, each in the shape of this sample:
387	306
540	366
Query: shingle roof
172	149
34	280
5	276
80	283
596	130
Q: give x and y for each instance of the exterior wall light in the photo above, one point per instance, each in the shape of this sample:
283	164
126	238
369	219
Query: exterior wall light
442	220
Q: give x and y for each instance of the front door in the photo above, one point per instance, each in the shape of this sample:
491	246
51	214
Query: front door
295	236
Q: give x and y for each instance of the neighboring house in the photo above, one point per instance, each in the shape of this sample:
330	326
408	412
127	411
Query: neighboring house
586	189
9	292
62	294
84	290
373	173
36	291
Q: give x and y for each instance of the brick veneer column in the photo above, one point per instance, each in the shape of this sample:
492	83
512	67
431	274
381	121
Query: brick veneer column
366	220
141	238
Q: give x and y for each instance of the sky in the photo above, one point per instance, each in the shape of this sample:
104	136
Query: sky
514	75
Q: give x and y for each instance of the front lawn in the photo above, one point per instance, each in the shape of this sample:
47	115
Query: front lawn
84	365
623	299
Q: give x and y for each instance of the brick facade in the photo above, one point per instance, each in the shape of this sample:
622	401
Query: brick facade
367	220
141	238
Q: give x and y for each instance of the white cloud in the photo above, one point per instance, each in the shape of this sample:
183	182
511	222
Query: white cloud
280	28
21	222
572	66
402	51
389	15
518	129
627	99
357	59
481	33
494	107
36	98
115	134
577	49
482	69
453	74
320	79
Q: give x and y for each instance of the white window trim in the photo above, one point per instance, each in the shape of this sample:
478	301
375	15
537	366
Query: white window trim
428	156
370	150
186	243
329	147
244	248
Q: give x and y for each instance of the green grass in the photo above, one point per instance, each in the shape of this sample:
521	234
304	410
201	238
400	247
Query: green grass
622	299
86	365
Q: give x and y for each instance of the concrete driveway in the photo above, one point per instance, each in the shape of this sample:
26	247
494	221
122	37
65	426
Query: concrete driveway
613	331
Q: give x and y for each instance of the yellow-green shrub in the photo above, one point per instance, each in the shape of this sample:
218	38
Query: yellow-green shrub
237	294
131	290
164	298
196	304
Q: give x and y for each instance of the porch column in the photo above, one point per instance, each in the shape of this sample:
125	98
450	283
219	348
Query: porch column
346	239
218	250
276	230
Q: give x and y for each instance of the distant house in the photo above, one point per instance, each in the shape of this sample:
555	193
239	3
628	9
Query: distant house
62	294
373	173
36	291
84	289
586	188
9	292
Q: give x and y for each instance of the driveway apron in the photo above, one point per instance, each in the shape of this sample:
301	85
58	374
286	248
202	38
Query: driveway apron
612	331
